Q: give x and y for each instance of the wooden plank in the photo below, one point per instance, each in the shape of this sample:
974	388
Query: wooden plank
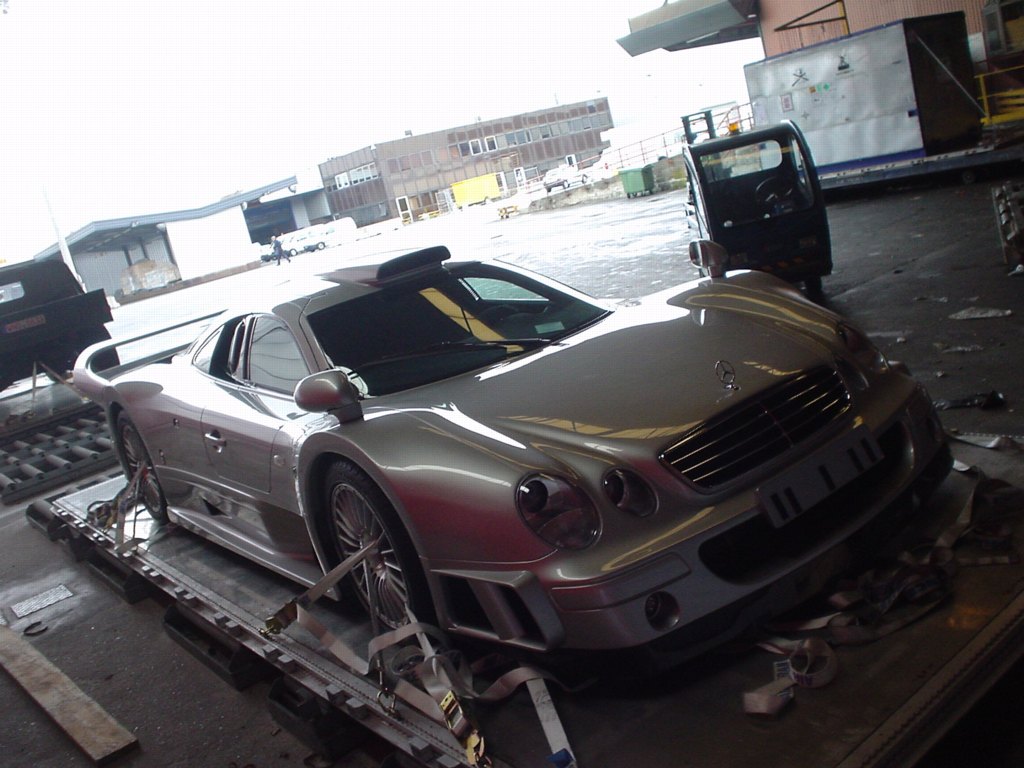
95	732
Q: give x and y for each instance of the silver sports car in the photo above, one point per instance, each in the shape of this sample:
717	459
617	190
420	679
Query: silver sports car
536	468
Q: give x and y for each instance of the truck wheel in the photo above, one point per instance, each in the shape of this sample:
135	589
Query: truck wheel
133	454
390	579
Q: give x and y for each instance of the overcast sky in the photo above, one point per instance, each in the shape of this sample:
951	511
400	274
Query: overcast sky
120	108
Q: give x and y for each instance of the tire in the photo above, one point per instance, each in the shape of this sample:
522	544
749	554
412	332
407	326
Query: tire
133	454
320	246
357	513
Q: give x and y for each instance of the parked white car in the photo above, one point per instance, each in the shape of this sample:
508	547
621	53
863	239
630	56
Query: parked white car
301	242
564	176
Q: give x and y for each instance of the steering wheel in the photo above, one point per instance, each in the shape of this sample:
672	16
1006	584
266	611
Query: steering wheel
773	191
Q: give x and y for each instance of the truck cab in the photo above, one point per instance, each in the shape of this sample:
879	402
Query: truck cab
757	194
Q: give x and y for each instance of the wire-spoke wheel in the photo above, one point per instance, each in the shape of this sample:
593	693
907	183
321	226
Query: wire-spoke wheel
133	454
388	581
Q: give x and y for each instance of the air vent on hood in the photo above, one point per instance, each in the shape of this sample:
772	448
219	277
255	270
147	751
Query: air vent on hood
759	429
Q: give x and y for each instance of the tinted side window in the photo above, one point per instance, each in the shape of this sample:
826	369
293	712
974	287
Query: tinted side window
274	359
203	359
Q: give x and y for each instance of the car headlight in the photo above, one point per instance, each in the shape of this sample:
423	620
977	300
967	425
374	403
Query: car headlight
630	492
557	511
862	349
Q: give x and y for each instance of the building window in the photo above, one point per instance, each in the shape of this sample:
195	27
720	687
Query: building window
521	137
510	139
475	147
427	158
491	143
363	173
464	148
341	180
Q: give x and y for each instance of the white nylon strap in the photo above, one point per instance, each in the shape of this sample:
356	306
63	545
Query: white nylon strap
810	663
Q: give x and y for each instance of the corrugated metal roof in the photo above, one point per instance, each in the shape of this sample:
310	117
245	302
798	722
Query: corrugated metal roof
108	227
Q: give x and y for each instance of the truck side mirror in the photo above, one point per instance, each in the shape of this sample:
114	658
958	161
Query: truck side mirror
329	392
709	256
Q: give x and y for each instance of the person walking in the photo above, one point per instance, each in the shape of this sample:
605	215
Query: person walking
278	250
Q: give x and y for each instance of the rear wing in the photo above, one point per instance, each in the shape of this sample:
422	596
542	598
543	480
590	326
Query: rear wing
92	372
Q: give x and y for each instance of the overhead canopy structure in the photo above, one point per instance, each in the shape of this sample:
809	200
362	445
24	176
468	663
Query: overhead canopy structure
691	24
114	234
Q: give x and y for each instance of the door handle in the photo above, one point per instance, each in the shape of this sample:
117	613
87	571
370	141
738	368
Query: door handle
216	440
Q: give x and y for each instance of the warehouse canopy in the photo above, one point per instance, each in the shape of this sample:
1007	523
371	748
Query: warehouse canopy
114	234
691	24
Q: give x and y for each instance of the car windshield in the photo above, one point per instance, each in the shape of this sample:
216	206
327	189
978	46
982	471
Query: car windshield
450	321
757	181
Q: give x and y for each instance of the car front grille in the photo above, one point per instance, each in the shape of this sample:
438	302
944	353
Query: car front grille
759	429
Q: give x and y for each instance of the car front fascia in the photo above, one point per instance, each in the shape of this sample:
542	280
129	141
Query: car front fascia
583	605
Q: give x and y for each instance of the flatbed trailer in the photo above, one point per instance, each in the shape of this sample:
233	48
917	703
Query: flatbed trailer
966	162
891	701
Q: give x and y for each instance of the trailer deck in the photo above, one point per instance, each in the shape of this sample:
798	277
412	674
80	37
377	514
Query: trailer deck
891	700
967	163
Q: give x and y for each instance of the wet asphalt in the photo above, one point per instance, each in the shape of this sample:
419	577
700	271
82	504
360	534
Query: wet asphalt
906	261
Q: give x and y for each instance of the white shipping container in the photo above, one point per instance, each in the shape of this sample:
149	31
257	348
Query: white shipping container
876	96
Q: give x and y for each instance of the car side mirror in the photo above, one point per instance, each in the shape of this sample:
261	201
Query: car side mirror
329	392
711	257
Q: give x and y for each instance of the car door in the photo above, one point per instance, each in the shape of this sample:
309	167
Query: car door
246	411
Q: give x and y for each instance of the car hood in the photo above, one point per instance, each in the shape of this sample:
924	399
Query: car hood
646	372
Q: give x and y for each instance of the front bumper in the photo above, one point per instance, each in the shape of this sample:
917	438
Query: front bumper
715	585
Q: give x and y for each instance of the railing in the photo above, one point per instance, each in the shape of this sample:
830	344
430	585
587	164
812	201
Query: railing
719	121
1002	102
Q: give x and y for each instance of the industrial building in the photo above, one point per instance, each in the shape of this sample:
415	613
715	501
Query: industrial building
411	177
788	25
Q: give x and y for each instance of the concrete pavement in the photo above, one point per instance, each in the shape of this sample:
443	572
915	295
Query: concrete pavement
905	263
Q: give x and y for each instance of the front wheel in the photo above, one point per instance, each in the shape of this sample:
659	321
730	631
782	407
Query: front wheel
133	454
389	580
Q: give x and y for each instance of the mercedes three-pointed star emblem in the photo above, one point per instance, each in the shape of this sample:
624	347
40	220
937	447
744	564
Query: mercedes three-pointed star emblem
726	374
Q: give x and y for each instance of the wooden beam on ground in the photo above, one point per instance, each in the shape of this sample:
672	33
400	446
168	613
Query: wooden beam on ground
95	732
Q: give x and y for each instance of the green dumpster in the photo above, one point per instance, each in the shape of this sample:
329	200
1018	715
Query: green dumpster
637	181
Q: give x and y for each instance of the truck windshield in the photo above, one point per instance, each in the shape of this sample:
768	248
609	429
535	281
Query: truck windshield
758	181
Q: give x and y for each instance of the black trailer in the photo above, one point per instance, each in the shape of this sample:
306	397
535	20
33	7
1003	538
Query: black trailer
46	319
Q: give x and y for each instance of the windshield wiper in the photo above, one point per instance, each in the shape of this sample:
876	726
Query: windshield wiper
528	342
463	346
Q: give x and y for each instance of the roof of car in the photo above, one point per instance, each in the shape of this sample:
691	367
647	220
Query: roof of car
350	281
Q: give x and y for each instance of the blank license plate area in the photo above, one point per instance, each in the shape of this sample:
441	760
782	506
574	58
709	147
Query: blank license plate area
818	476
